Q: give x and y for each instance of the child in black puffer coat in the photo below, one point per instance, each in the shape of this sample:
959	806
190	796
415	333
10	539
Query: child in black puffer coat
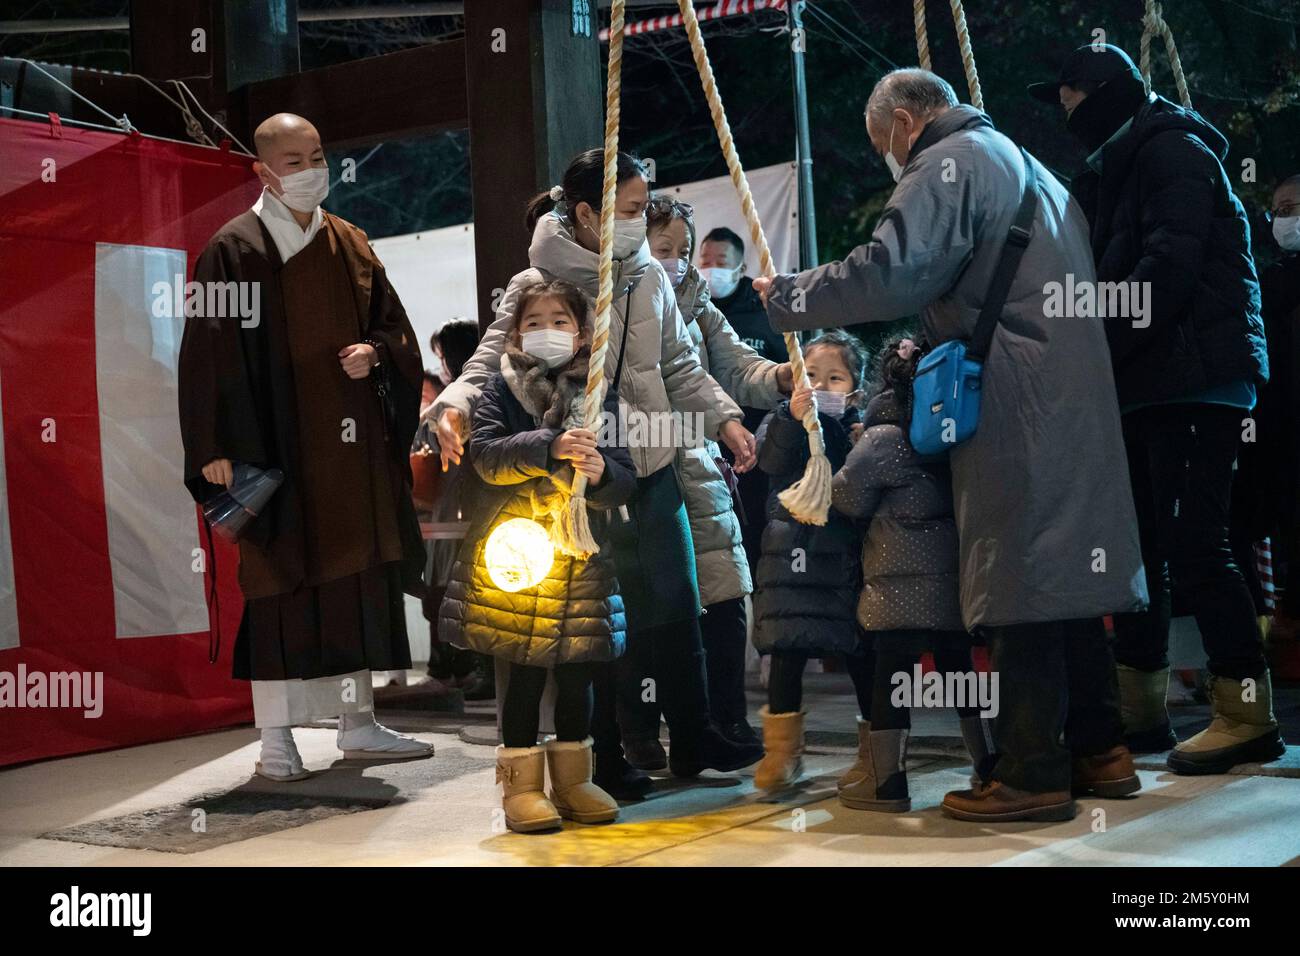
807	577
527	444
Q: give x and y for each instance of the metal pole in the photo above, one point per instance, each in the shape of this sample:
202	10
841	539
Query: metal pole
803	145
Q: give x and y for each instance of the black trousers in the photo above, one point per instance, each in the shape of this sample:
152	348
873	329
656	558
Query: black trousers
722	632
785	680
887	653
722	629
1180	464
662	668
1056	682
896	653
573	703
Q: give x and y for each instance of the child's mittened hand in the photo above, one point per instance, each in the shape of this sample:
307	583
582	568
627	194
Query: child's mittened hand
801	402
574	444
593	466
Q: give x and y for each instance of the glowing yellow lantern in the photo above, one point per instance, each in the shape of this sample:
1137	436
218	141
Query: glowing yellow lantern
518	554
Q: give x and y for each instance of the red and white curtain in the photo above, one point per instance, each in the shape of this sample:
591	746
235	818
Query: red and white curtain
102	572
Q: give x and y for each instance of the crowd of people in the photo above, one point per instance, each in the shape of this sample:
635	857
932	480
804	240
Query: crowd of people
1099	485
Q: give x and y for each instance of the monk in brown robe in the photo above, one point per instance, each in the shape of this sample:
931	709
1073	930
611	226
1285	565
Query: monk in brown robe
324	384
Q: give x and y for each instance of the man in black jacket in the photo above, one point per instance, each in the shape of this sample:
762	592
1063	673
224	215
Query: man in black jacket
1166	225
722	264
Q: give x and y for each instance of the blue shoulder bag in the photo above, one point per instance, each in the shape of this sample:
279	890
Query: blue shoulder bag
946	389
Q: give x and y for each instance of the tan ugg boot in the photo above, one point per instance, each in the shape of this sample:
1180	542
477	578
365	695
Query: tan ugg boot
782	762
1241	730
521	771
884	787
1143	710
574	795
859	768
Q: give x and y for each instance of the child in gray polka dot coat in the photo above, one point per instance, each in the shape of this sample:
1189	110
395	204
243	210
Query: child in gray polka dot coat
909	601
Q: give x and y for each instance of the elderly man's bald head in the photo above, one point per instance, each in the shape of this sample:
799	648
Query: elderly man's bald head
921	93
901	105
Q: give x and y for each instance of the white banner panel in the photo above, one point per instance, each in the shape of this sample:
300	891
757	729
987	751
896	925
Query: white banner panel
8	598
152	531
433	272
776	197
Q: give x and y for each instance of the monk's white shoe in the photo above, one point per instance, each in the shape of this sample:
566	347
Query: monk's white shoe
280	760
361	738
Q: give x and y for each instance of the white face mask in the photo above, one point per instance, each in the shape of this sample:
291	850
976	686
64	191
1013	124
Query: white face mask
895	167
553	346
1286	230
305	190
722	282
629	234
831	403
676	269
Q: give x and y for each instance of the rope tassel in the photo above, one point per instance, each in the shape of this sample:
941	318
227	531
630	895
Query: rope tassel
571	528
809	499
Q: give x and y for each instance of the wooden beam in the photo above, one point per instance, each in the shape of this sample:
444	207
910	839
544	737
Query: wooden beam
535	100
408	93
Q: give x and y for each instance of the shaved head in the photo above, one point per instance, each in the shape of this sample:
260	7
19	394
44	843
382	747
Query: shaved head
274	131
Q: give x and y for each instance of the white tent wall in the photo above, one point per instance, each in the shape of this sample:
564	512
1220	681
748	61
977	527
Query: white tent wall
433	271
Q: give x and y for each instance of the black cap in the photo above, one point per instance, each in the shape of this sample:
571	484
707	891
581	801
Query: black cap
1096	64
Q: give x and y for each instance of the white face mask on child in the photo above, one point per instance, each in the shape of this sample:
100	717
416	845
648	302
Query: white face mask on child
831	403
553	346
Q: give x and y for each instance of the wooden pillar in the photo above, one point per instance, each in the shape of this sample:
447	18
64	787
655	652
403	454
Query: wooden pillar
233	42
533	78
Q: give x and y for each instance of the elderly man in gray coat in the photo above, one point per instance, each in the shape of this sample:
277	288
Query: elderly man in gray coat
1048	536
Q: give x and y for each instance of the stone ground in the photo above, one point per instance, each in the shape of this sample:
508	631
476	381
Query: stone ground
194	802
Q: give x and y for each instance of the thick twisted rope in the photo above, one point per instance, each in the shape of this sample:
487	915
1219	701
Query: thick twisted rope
963	43
922	39
570	529
1153	24
967	55
808	499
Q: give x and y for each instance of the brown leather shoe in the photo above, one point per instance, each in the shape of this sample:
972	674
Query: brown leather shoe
995	802
1109	774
